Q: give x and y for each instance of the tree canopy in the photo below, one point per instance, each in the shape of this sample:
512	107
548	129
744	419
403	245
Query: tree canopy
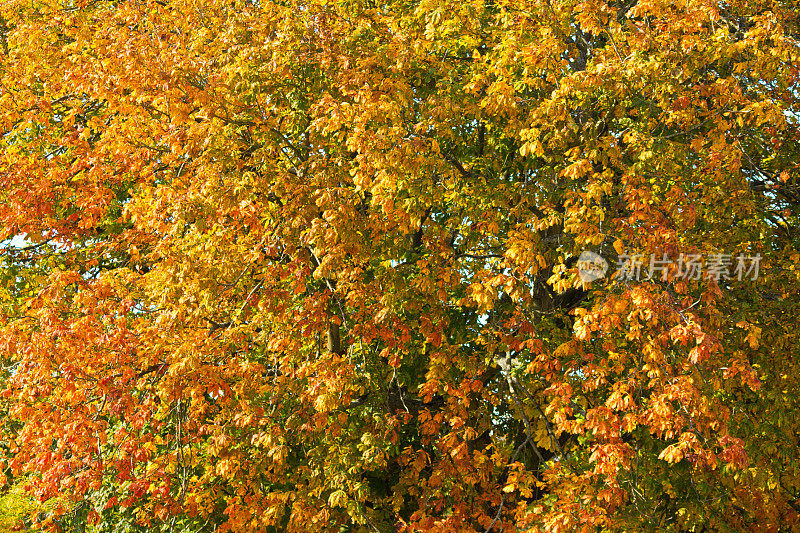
319	265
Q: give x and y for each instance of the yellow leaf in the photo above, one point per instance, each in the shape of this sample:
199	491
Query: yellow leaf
338	498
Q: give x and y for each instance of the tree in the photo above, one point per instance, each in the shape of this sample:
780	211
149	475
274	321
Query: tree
314	265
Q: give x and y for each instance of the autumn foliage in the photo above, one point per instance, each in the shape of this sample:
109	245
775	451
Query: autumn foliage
299	266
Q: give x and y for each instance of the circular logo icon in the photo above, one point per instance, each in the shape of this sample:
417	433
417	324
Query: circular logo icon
591	266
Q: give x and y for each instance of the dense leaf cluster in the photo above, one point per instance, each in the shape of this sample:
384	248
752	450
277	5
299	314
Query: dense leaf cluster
313	265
